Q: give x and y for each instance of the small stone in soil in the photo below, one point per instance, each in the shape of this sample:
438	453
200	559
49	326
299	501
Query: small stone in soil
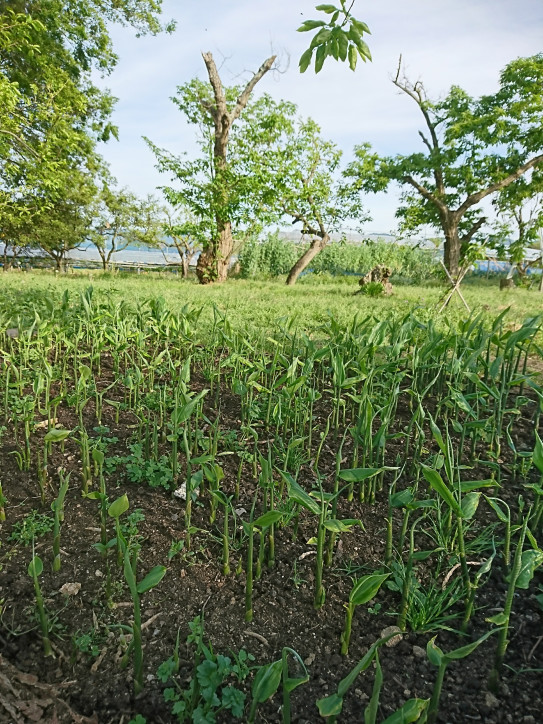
491	701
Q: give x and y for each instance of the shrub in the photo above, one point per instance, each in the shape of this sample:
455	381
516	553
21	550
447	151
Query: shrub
274	256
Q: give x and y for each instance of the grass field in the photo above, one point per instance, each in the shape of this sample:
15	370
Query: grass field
265	304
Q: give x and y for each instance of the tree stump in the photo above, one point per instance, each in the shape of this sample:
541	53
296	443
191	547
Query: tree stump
508	283
381	275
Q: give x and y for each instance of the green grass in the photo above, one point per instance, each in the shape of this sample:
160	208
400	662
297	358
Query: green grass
264	304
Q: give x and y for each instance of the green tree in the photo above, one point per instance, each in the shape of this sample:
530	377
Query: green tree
183	233
520	207
64	224
214	187
473	148
52	113
121	219
303	182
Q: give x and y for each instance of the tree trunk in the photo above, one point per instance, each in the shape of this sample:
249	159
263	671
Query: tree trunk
452	249
316	246
185	262
214	261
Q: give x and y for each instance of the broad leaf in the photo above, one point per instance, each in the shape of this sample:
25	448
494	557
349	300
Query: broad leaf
152	579
119	506
434	653
357	475
436	482
531	559
339	526
469	505
410	712
35	567
267	681
56	435
267	519
464	651
366	588
538	453
298	494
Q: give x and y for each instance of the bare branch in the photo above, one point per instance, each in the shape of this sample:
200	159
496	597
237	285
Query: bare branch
417	93
245	95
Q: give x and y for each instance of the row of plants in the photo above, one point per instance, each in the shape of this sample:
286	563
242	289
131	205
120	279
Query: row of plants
436	427
274	256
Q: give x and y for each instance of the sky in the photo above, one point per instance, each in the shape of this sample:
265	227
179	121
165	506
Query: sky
450	42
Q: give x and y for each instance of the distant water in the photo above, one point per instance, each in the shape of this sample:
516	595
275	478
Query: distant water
130	255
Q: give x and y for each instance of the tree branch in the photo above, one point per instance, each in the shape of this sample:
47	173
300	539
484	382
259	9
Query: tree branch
245	95
428	195
499	185
220	109
468	236
416	92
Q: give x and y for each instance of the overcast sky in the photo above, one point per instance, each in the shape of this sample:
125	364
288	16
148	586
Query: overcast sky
450	42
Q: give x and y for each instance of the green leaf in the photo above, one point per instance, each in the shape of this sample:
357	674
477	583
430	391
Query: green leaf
98	456
464	651
330	705
85	372
119	506
152	579
434	653
35	567
343	46
410	712
502	517
353	57
298	494
422	555
339	526
366	588
328	9
234	700
320	38
360	26
311	25
538	453
320	58
531	559
469	505
370	714
402	498
267	519
357	475
183	413
56	435
469	485
500	619
305	60
436	482
267	681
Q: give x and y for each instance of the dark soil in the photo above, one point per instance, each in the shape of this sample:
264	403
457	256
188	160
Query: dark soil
76	686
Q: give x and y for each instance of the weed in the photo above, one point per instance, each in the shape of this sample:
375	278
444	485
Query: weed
35	525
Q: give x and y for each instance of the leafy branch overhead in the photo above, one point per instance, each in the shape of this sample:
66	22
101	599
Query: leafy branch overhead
340	36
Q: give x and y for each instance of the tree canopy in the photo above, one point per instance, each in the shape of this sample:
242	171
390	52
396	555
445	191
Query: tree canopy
473	148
